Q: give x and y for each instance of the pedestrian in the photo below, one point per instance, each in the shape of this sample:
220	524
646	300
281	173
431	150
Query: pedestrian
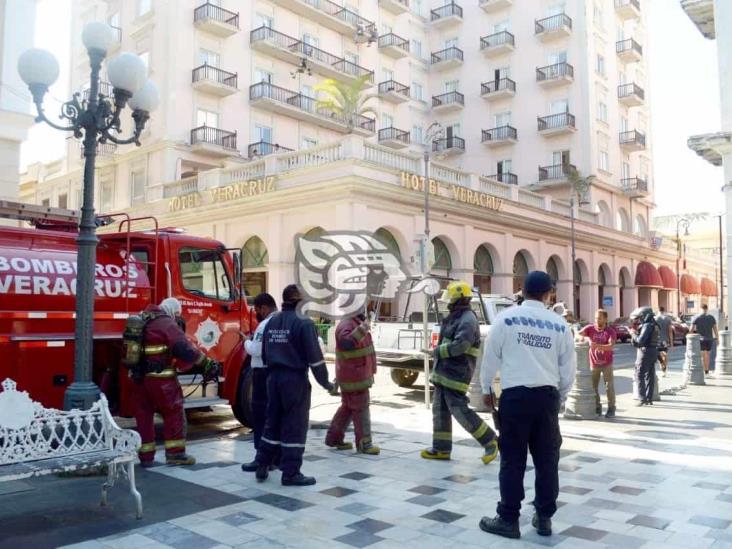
645	335
571	321
665	338
355	369
601	337
156	386
533	349
705	325
264	307
290	348
454	364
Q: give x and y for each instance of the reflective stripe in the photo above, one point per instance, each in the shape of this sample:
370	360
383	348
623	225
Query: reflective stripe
177	443
359	333
292	445
164	373
480	431
147	447
438	379
444	351
155	349
356	385
473	351
442	435
272	442
355	353
316	364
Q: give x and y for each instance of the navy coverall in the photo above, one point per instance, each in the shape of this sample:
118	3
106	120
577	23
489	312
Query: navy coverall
645	363
290	349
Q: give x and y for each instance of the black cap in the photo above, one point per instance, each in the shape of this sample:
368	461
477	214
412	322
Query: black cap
537	282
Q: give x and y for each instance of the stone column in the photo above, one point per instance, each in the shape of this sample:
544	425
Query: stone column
693	365
581	400
723	365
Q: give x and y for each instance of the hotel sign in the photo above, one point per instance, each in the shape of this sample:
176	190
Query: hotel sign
456	192
230	193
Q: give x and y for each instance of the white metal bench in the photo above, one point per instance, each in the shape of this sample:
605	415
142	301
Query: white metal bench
37	441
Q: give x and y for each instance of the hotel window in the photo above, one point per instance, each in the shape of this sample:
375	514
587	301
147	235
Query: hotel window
264	21
207	118
308	143
603	161
599	15
309	40
602	111
416	136
416	48
418	7
502	119
262	133
416	91
560	158
143	6
451	43
387	121
626	170
600	65
500	73
137	186
501	26
79	197
560	106
557	57
63	201
46	202
504	166
106	191
387	75
262	76
113	19
623	124
208	57
452	86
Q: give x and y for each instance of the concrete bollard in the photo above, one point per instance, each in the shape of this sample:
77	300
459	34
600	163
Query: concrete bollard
581	400
475	392
693	364
723	364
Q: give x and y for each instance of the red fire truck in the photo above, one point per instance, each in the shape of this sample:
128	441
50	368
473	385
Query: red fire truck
137	263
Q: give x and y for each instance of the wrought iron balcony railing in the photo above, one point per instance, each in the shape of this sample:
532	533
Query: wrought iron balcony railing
497	39
393	86
502	84
557	171
391	39
634	184
449	98
448	54
505	177
627	45
217	13
445	143
394	134
263	148
501	133
552	23
554	121
554	72
628	90
213	136
207	72
633	137
446	11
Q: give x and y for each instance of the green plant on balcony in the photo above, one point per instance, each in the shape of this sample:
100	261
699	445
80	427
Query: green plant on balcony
345	100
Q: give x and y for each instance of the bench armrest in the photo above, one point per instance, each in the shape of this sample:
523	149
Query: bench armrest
123	440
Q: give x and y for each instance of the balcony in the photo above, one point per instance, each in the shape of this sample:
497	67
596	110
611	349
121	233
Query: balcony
556	124
446	16
397	7
394	46
489	6
394	138
393	91
447	102
449	146
329	14
632	141
555	75
105	89
498	89
497	44
629	50
215	81
506	177
216	20
213	141
500	136
293	51
631	95
634	187
104	150
272	98
447	58
264	148
554	27
557	172
628	9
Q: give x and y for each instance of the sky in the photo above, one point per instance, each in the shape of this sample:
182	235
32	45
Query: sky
683	89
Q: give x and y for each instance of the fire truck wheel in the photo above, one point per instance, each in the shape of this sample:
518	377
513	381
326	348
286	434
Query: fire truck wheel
404	378
242	408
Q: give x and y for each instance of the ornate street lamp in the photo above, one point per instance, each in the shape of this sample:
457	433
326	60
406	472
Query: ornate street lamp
682	222
579	195
97	120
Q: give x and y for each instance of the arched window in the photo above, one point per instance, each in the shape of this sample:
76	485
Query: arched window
639	225
622	221
520	270
552	269
443	261
315	232
483	269
603	209
388	239
254	261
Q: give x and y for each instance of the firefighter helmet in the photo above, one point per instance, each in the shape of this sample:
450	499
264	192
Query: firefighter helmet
457	290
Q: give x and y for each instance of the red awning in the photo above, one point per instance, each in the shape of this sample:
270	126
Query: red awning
708	287
668	277
646	275
689	285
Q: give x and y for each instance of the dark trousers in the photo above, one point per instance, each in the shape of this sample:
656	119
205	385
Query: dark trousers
259	402
645	371
447	404
287	422
529	421
354	406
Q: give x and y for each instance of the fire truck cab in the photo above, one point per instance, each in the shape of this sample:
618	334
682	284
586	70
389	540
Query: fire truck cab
138	263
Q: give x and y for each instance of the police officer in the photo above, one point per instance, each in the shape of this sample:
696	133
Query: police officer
534	350
158	388
264	307
454	357
645	335
290	350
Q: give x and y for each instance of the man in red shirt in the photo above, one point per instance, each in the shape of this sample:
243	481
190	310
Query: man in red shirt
601	338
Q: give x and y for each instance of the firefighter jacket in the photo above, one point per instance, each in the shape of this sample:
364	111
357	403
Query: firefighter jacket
355	355
163	340
290	341
457	350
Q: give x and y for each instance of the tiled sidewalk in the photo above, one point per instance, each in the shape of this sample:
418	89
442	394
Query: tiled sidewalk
655	477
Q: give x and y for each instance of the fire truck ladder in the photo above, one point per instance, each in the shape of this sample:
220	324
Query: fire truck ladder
37	215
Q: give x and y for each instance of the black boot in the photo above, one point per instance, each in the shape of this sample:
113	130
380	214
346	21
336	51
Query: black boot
500	527
543	525
262	473
250	467
298	479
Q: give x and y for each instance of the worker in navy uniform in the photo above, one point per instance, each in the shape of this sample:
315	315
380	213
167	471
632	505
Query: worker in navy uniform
533	348
645	335
290	349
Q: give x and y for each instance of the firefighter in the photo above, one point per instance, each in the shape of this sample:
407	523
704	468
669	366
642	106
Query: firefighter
156	387
454	357
355	369
290	349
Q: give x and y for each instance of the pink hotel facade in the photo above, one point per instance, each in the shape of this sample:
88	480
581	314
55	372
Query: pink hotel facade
240	152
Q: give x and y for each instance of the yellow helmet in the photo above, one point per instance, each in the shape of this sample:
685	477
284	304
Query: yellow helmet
456	290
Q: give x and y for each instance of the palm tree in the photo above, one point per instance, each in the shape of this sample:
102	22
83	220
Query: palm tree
347	101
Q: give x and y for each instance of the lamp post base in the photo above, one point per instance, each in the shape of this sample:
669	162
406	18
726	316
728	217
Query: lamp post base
81	395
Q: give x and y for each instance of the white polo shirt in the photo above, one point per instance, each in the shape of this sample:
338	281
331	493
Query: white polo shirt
532	347
254	346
